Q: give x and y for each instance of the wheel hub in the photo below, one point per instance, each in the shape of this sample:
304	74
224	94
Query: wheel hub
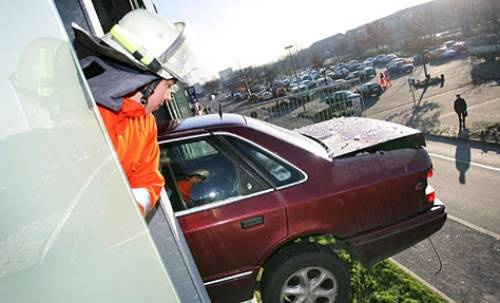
311	285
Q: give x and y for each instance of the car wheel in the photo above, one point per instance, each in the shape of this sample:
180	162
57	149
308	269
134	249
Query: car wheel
306	273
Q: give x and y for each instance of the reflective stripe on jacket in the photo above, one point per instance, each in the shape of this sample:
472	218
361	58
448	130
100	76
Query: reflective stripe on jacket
133	134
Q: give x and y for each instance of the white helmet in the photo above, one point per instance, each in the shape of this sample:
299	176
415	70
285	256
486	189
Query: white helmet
149	43
202	173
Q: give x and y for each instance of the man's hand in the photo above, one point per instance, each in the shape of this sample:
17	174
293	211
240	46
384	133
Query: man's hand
143	199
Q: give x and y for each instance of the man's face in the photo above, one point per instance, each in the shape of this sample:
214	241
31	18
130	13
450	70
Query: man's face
161	94
195	179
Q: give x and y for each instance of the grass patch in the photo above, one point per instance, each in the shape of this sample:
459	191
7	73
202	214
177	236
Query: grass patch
385	282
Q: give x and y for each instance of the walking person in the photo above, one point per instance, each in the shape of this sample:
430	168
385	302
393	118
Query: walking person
461	109
132	71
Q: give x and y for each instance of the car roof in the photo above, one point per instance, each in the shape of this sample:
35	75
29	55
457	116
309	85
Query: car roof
200	123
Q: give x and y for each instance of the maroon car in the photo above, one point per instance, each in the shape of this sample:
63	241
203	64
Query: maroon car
262	191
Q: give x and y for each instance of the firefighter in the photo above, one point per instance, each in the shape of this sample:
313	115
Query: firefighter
132	71
185	185
383	84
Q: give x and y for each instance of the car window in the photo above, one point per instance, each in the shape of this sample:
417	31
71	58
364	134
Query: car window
279	171
203	174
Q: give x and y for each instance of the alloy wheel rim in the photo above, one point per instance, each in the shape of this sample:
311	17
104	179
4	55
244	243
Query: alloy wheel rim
310	285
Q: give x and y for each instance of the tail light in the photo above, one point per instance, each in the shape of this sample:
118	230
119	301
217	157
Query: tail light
430	193
431	196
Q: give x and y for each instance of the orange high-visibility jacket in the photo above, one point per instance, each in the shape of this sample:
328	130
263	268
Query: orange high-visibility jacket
133	133
185	188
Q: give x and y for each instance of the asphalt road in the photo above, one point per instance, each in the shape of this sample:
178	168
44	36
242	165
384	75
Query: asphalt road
466	178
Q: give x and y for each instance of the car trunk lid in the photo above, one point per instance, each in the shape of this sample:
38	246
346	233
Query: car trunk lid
348	136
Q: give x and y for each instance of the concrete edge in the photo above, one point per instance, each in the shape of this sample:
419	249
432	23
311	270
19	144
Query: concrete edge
419	279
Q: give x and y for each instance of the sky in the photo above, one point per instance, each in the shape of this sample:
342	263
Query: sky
241	33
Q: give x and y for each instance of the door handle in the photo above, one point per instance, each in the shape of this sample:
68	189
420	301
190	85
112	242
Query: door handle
253	221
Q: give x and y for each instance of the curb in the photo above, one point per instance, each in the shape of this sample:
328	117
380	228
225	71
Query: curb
460	139
419	279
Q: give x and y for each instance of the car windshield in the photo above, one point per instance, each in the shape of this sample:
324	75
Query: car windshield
291	137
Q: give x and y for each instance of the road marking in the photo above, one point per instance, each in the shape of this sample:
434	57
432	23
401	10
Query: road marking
475	227
419	279
465	162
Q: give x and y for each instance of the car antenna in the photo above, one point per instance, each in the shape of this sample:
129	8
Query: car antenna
220	110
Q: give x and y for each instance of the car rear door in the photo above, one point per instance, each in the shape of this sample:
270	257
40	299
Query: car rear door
234	217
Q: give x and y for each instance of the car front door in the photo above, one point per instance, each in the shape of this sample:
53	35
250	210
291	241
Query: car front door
234	216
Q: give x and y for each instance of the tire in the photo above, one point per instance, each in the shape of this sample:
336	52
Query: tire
305	273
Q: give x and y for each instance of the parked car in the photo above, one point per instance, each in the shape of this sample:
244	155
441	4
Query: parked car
309	84
353	65
368	72
322	81
459	46
406	68
399	66
394	64
370	89
269	190
266	95
381	59
298	88
369	62
353	75
342	95
391	57
449	53
237	96
341	84
341	71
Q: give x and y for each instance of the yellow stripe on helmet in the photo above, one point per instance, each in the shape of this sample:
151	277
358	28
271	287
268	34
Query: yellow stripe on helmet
125	39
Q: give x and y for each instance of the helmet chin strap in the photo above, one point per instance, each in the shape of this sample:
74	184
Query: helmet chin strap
148	90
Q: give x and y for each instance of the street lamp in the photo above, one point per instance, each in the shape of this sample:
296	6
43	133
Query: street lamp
291	59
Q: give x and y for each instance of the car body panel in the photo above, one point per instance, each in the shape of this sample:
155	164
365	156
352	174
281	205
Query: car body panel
219	232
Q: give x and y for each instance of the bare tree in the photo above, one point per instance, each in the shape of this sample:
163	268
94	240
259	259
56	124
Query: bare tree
417	37
212	85
316	61
464	10
376	35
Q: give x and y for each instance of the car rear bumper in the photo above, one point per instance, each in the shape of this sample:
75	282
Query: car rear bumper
382	243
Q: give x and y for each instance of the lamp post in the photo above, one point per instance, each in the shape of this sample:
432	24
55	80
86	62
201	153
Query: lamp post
291	60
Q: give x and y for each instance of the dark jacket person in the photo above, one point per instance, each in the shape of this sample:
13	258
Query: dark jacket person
461	109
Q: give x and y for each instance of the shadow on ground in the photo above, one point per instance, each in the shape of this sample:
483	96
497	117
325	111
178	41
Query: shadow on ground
419	116
369	102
